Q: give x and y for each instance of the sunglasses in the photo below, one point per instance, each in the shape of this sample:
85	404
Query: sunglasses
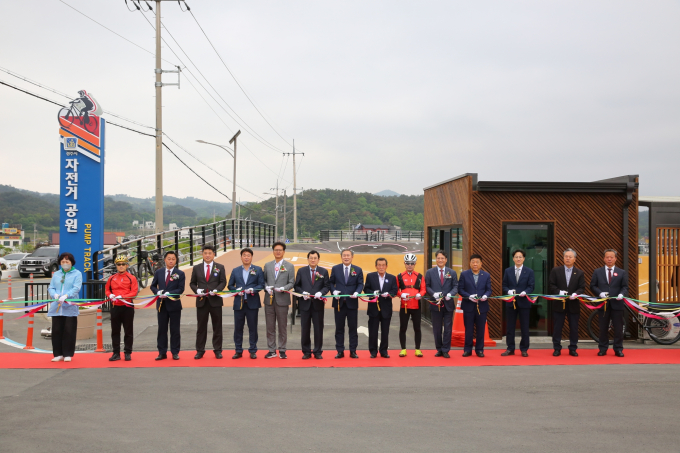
121	264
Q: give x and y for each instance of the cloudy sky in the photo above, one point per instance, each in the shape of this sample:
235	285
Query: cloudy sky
377	94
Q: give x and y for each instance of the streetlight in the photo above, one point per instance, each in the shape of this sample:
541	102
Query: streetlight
233	192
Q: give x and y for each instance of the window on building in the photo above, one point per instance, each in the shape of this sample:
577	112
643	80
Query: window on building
456	260
450	239
5	243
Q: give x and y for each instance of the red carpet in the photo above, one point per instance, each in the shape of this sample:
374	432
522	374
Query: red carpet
537	357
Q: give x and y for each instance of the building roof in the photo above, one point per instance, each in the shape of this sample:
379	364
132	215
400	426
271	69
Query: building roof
374	227
648	201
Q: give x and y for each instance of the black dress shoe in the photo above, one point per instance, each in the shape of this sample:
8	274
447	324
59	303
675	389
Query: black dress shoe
619	354
601	353
384	355
306	356
507	353
127	357
175	357
237	355
446	355
525	354
114	357
253	355
282	355
340	355
573	353
374	355
318	356
218	354
557	353
353	355
479	353
162	357
199	355
467	354
439	354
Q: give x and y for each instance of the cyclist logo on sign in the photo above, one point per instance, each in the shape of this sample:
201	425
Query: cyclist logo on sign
83	111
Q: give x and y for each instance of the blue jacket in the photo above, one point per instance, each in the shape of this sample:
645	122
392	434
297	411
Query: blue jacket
526	284
254	281
355	284
434	285
68	283
467	287
175	286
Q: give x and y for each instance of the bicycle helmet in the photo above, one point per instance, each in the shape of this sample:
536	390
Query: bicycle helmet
410	258
122	259
82	93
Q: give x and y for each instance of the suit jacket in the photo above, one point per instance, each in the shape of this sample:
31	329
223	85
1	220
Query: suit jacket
526	283
467	287
558	282
303	282
217	282
434	285
286	279
256	282
389	286
355	284
619	285
175	286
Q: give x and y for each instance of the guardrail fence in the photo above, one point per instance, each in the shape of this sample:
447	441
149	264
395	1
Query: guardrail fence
371	236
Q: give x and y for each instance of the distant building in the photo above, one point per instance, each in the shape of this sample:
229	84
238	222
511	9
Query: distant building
150	225
135	224
361	228
173	226
11	235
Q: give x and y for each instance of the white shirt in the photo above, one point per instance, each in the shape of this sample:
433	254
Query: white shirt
382	280
277	266
206	265
606	271
167	273
519	269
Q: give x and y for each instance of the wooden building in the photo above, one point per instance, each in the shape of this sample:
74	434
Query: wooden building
493	218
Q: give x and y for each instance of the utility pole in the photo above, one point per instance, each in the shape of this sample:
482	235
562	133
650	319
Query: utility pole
276	211
294	192
35	233
284	215
233	192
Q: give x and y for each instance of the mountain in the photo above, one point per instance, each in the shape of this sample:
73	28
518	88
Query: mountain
387	193
202	208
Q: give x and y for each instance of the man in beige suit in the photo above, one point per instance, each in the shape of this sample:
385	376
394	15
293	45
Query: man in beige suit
279	276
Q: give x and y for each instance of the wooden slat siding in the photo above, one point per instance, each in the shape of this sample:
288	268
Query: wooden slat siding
586	222
667	263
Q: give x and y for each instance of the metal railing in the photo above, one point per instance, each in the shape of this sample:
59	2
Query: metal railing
147	251
371	236
93	289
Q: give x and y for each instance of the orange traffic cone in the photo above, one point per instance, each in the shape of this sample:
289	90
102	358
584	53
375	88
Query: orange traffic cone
458	331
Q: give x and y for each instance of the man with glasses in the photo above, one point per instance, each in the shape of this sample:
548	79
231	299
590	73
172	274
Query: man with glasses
121	288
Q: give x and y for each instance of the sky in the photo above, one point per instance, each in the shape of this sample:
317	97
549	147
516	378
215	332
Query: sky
377	94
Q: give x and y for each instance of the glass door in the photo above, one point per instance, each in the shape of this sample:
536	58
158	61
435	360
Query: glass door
536	239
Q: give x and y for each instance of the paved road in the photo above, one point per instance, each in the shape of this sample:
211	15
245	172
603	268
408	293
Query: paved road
510	409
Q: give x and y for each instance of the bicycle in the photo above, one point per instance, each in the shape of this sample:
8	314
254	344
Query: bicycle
67	116
664	331
147	267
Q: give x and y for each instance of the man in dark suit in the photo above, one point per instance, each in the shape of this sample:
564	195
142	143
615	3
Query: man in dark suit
168	284
313	282
249	279
346	279
518	280
208	278
384	287
566	280
475	288
610	282
442	288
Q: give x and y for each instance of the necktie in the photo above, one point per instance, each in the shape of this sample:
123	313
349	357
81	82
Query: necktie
167	278
517	271
207	274
441	276
610	276
346	275
568	276
311	274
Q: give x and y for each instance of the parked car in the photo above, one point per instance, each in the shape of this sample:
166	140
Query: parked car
10	262
43	260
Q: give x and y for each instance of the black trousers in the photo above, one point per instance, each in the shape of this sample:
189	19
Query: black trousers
215	315
125	315
511	315
381	320
307	318
471	320
414	314
559	318
64	330
442	326
616	317
240	317
172	319
351	316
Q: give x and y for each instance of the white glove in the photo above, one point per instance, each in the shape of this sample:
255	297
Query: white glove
199	291
112	297
418	296
511	292
268	289
437	295
279	290
355	295
484	298
448	296
336	292
573	296
619	297
318	295
603	295
473	298
563	293
250	291
305	295
242	293
522	294
385	294
159	293
376	292
211	293
63	298
404	295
